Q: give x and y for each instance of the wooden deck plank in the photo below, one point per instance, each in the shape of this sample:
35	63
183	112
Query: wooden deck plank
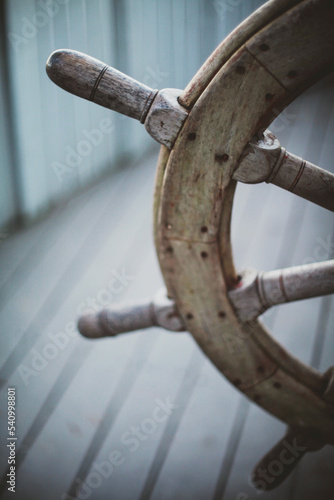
38	387
201	441
73	253
31	294
185	390
16	247
151	389
29	247
319	465
137	348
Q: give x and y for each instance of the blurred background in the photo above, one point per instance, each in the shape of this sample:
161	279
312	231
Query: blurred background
75	216
160	43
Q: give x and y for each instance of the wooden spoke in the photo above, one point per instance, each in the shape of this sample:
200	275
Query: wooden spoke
125	318
265	160
257	292
286	453
95	81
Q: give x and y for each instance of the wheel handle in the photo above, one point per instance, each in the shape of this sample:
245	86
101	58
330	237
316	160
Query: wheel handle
95	81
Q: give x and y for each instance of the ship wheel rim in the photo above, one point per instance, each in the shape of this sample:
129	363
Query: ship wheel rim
281	384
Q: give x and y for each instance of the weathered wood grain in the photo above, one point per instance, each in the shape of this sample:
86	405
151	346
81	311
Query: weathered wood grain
282	48
95	81
86	77
260	159
165	117
306	180
200	167
254	23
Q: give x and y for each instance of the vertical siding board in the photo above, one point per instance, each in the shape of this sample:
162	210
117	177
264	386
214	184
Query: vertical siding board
82	109
178	34
108	49
24	78
7	204
49	108
136	24
222	21
165	49
208	29
7	174
59	110
123	126
98	38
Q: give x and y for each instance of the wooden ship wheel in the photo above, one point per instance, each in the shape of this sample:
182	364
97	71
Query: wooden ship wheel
214	134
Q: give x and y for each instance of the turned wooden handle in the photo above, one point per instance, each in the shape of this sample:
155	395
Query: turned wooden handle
265	160
122	318
305	180
95	81
281	460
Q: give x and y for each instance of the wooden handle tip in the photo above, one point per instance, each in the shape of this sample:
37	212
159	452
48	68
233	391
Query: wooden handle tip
89	326
55	63
74	71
